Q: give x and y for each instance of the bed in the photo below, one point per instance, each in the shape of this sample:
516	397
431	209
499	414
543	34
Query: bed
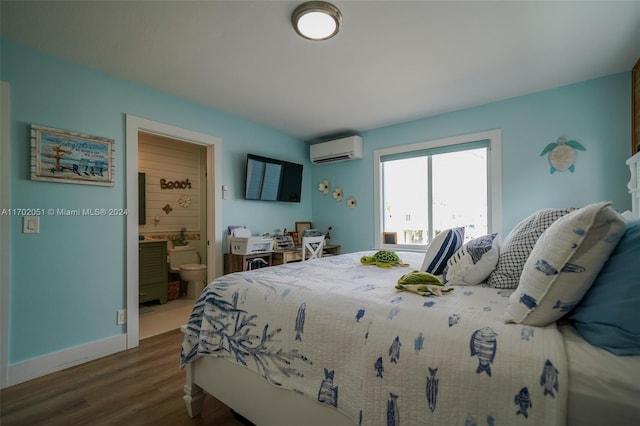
334	341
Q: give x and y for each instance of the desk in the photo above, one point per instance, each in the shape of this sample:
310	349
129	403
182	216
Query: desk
281	256
239	262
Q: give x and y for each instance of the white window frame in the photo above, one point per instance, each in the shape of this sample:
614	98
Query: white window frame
494	179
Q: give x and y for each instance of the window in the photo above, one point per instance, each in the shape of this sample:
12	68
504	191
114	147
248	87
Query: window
428	187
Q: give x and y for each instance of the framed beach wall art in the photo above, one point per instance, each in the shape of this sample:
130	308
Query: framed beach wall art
70	157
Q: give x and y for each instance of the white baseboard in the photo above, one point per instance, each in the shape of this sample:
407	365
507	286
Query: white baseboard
50	363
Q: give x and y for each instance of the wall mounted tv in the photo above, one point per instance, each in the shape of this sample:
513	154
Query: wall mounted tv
272	180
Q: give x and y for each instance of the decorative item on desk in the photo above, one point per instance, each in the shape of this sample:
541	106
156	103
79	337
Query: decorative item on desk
230	228
311	233
283	242
301	226
327	236
294	237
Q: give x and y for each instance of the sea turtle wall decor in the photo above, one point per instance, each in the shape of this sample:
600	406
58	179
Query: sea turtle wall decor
562	154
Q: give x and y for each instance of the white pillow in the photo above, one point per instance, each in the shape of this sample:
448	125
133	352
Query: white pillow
564	263
441	249
473	263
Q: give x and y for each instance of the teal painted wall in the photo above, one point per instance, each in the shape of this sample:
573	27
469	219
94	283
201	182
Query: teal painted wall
596	113
68	281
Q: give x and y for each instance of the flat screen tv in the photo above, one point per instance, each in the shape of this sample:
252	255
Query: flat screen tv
272	180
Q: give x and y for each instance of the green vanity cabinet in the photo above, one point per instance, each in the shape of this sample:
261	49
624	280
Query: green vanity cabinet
152	271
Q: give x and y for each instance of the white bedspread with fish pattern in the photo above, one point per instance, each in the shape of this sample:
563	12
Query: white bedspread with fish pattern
339	333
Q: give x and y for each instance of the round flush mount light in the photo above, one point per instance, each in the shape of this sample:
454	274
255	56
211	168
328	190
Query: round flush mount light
316	20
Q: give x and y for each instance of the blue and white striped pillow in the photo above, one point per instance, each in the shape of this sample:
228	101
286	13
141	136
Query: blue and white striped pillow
443	246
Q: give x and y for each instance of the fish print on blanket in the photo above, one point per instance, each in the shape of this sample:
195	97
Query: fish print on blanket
393	416
523	401
549	378
418	343
453	319
233	331
379	367
360	314
483	344
299	328
504	293
366	287
328	393
393	312
526	333
394	350
470	421
396	309
432	389
429	304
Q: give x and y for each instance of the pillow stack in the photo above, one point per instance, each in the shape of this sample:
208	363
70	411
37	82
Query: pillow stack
564	263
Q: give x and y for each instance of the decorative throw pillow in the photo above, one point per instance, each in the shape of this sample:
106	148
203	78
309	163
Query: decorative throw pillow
441	249
607	316
473	263
564	263
518	244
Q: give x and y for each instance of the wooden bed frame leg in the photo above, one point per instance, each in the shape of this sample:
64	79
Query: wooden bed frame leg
193	399
193	395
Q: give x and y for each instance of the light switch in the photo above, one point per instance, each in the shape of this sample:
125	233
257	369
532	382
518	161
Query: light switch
31	225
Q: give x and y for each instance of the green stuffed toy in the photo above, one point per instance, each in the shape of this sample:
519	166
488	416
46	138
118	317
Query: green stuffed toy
422	283
383	259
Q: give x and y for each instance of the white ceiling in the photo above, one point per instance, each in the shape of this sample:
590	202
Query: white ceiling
393	61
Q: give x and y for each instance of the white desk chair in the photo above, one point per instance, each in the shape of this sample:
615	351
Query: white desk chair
313	245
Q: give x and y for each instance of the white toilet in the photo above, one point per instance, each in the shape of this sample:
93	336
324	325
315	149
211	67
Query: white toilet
184	260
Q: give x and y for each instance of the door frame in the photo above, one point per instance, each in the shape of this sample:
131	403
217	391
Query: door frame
5	229
135	125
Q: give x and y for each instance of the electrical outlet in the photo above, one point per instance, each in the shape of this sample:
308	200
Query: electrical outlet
121	317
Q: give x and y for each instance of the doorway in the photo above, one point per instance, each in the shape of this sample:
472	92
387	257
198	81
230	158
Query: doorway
135	126
172	208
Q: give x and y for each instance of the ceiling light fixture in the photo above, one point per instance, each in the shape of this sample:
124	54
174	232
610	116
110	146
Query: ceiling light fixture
316	20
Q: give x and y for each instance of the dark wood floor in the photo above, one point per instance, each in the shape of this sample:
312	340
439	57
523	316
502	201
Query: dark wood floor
140	386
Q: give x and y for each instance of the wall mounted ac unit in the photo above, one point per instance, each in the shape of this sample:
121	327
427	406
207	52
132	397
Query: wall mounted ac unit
344	149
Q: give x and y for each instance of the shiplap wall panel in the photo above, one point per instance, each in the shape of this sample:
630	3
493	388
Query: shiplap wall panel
162	158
